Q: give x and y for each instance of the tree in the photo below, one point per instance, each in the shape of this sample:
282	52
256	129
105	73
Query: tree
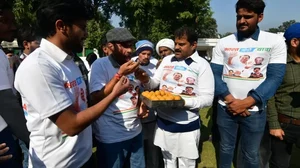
225	34
156	19
282	27
96	31
25	13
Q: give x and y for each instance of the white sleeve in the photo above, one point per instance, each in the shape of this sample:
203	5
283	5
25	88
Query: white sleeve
217	55
206	87
42	86
97	76
4	79
155	80
279	52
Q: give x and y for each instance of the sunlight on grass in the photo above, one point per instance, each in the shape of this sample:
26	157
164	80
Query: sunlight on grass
208	158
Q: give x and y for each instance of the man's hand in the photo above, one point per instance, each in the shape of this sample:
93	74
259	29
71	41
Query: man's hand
243	114
3	150
143	111
128	68
229	98
121	87
142	76
279	133
238	106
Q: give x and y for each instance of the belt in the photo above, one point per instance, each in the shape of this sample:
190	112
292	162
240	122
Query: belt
289	120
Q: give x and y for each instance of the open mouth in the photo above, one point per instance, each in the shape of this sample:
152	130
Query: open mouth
128	58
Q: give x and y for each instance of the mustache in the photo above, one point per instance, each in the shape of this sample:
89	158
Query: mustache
177	50
242	25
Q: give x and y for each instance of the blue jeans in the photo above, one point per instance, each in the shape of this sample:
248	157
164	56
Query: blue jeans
251	131
113	155
25	153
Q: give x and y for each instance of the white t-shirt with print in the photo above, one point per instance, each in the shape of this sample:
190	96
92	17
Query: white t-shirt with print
7	79
240	58
49	81
119	122
197	77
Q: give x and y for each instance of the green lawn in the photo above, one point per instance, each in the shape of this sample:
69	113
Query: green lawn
208	151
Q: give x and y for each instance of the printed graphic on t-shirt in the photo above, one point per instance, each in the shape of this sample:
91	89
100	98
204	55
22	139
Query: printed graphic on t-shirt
178	80
79	91
80	102
245	63
25	109
132	95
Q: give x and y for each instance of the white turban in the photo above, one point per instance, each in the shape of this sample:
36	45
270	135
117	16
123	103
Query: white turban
165	43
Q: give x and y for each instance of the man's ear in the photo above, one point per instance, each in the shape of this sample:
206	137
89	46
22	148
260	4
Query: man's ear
260	17
294	42
60	26
110	46
194	45
25	44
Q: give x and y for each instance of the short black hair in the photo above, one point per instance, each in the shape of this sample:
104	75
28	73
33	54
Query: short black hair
103	41
7	50
189	32
90	58
257	6
26	34
67	10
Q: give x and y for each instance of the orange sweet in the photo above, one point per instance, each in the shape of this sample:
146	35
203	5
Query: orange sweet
162	98
157	93
162	92
176	97
145	94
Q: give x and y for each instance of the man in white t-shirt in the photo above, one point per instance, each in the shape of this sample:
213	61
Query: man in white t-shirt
241	98
118	131
178	129
53	90
12	120
153	155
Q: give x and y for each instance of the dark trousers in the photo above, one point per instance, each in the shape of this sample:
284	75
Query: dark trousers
264	151
153	154
6	137
251	129
282	149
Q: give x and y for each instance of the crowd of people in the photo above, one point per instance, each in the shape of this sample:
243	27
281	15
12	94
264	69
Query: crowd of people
55	108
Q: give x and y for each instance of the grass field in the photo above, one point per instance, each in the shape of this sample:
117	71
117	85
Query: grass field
208	157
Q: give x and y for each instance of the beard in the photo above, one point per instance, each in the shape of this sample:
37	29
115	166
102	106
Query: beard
118	56
247	33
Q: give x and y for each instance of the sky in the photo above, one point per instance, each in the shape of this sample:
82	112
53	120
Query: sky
276	12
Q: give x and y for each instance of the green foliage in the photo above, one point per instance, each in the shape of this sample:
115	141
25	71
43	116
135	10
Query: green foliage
282	27
157	19
147	19
24	11
226	34
96	31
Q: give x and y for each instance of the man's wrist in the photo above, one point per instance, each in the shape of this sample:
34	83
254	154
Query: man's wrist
118	76
228	98
120	73
250	101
